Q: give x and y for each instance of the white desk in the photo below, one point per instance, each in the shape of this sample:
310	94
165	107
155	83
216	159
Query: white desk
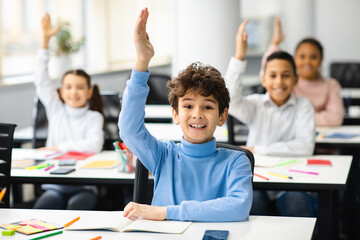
326	184
173	132
157	111
355	141
80	176
258	227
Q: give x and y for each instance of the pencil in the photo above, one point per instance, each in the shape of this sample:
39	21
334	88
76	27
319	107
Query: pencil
279	175
301	171
96	238
2	193
49	167
285	163
258	175
47	235
71	222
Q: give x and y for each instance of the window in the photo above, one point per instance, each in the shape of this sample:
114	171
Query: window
107	26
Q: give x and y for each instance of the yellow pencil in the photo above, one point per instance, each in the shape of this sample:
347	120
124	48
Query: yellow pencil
2	193
279	175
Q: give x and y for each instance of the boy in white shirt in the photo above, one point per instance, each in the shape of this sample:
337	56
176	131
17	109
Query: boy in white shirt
279	122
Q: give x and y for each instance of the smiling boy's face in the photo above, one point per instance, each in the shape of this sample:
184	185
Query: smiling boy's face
198	117
279	80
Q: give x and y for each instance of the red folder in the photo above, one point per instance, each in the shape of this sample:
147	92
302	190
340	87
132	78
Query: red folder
318	162
76	155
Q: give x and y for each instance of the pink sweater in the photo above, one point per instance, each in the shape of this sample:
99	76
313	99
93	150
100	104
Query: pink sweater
323	93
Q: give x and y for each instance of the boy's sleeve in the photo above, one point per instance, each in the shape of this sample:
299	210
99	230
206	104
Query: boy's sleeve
131	122
240	107
333	114
94	139
235	206
45	89
304	142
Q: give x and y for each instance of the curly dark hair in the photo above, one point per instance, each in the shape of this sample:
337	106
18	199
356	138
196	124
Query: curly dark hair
202	79
314	42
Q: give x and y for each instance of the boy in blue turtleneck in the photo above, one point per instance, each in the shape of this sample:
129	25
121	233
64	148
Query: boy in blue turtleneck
193	180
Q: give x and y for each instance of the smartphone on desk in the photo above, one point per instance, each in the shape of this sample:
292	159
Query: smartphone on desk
63	171
215	235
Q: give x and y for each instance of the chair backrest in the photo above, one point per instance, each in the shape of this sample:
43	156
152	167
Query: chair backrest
348	74
141	183
158	93
112	107
40	124
6	145
236	128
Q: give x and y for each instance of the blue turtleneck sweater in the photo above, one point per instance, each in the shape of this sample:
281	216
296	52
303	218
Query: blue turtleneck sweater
197	182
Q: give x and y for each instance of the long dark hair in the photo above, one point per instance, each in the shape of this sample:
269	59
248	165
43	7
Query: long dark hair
95	102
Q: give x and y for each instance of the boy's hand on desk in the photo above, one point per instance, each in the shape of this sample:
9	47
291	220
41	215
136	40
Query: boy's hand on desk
241	42
143	46
133	210
47	30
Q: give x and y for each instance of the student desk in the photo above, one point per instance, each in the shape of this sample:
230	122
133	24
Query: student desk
327	184
158	113
257	227
80	176
171	131
154	113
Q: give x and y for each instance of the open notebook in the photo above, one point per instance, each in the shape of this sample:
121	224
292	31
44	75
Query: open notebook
119	223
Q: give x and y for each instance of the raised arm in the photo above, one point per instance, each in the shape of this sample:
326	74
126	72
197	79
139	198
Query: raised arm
47	30
241	41
278	37
143	46
240	107
45	89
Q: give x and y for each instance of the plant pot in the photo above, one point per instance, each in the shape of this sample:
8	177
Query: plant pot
58	65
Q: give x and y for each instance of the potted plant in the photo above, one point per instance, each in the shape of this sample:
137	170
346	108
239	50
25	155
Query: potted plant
63	47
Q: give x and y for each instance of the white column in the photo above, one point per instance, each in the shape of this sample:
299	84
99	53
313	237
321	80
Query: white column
204	31
298	22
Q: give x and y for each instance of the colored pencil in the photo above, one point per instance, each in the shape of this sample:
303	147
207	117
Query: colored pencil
71	222
47	235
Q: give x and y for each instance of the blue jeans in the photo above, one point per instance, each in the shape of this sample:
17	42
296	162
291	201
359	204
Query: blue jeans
299	204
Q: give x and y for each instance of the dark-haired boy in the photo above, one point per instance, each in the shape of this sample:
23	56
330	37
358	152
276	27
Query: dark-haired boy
279	122
193	180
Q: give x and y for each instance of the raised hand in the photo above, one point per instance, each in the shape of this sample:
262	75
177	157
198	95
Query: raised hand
143	46
241	41
47	30
133	210
278	35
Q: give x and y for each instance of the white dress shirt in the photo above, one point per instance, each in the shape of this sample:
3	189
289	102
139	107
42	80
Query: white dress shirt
273	130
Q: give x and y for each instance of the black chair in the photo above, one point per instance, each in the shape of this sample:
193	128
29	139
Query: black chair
6	145
158	93
236	129
347	73
40	124
112	107
142	188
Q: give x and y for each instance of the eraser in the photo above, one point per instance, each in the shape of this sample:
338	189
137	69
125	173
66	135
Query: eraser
8	232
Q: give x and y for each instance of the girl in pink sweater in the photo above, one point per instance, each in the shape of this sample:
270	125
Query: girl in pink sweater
323	93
